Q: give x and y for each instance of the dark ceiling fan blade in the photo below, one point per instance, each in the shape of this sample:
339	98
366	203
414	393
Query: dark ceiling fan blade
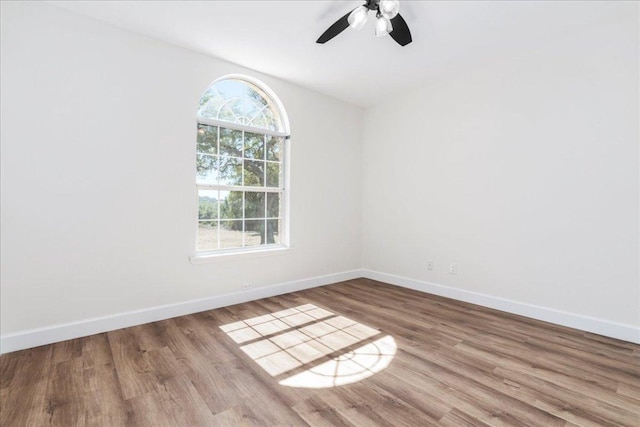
400	33
339	26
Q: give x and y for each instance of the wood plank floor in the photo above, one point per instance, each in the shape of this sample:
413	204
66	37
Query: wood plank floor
455	364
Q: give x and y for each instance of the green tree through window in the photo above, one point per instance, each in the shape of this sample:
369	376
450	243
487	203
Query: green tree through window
239	168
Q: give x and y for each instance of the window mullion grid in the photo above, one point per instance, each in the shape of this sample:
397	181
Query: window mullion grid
242	159
218	223
256	115
239	188
241	127
244	107
266	195
243	190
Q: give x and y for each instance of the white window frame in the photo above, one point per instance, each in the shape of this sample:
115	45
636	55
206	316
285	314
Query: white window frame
200	256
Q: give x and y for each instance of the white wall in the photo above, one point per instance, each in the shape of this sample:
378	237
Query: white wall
523	171
98	194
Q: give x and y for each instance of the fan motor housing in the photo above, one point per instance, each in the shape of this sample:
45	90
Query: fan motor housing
372	4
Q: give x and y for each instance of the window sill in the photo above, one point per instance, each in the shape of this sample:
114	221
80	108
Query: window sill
206	257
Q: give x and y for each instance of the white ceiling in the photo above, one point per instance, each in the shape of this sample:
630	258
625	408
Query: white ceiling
278	37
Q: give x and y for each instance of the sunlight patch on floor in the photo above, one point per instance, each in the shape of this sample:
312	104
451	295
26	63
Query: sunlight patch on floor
298	341
348	368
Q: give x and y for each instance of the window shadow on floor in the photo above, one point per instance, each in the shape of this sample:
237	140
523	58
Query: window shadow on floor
310	347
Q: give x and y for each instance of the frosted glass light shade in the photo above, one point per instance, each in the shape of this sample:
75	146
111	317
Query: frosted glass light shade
358	17
383	26
389	8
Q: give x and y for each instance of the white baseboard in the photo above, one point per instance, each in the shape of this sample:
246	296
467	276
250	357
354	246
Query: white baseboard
577	321
56	333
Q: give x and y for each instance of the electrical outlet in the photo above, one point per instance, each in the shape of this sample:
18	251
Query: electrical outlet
429	265
453	268
247	286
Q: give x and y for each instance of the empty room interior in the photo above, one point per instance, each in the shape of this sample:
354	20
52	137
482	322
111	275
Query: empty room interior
320	213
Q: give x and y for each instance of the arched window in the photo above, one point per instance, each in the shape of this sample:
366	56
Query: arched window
241	154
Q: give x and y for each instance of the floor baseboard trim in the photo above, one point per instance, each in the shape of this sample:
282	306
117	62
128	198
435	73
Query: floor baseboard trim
62	332
577	321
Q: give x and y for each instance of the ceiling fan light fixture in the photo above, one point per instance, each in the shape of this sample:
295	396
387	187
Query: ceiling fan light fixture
383	26
358	17
388	21
389	8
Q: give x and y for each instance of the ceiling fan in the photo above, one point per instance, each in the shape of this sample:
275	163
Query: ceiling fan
388	21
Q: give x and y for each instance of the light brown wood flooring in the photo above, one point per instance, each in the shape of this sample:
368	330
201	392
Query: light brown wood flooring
452	364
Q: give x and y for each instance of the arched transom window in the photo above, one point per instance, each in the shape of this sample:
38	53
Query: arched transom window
240	168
